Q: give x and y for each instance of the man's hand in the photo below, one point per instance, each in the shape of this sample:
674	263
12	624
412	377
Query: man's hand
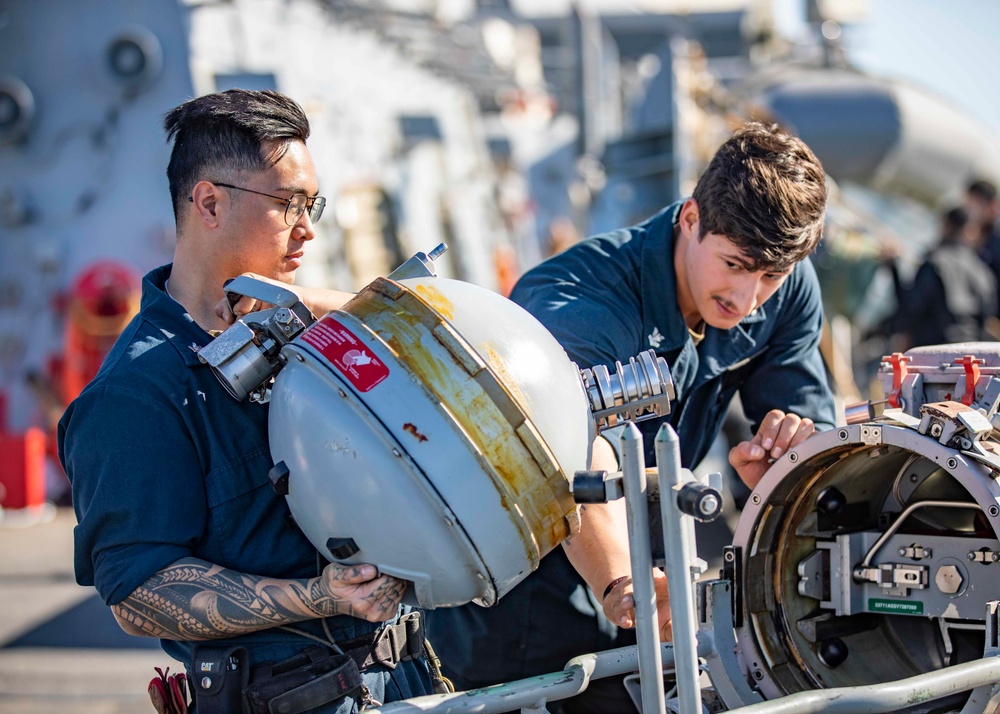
619	605
359	591
245	305
319	300
778	433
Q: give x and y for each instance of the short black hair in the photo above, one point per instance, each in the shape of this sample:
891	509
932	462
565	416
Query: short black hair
218	134
952	222
764	190
982	189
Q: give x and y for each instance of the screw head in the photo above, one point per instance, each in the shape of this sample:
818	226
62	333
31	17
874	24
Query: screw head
948	579
708	505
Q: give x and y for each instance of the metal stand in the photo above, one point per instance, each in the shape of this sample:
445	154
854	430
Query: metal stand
682	499
646	627
679	545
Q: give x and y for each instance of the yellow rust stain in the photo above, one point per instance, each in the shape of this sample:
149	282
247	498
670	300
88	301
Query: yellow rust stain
436	299
516	475
499	367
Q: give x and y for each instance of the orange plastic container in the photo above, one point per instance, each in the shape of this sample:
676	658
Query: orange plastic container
22	468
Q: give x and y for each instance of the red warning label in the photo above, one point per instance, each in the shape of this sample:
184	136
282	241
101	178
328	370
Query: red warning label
349	354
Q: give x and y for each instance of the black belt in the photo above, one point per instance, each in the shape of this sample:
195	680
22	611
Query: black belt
316	677
390	645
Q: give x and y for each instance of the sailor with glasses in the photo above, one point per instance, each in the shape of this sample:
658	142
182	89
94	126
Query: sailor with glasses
179	527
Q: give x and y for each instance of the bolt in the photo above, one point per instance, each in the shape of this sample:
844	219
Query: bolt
842	434
708	505
758	675
913	478
952	463
299	357
902	551
936	430
994	511
971	556
755	499
948	579
793	457
729	556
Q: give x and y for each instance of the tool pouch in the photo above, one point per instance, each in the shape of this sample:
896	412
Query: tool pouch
220	675
308	680
169	692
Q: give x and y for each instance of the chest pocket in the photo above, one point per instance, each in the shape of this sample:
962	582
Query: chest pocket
242	507
238	477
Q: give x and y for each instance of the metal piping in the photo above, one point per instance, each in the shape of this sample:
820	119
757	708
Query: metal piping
533	692
678	537
889	697
644	591
891	531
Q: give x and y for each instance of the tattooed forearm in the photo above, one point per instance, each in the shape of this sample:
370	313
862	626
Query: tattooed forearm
195	600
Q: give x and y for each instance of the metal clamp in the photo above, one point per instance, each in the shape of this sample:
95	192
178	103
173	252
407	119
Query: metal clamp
640	390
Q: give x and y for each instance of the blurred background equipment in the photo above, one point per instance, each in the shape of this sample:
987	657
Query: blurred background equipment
505	128
102	301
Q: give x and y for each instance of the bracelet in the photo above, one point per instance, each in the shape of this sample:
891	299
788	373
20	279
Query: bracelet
612	584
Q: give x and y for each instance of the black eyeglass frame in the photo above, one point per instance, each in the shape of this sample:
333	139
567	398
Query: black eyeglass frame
313	204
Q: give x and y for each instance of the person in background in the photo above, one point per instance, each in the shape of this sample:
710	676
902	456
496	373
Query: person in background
179	527
719	286
953	296
983	210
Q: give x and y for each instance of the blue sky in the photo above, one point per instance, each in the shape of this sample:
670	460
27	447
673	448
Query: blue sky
951	47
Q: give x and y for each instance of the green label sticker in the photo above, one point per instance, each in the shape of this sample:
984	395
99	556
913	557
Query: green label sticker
895	607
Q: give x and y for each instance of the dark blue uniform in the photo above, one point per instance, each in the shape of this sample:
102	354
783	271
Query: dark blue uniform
166	465
606	299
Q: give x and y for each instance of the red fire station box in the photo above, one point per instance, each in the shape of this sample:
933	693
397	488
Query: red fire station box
22	468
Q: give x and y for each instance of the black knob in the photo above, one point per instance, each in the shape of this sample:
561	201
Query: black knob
342	548
701	502
279	478
832	652
588	487
831	501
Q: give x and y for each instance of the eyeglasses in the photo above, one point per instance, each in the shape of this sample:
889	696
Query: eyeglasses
294	206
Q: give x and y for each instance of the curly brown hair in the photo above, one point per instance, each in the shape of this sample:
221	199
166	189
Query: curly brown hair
765	191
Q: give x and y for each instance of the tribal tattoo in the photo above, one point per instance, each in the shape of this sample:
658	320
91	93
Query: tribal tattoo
195	600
